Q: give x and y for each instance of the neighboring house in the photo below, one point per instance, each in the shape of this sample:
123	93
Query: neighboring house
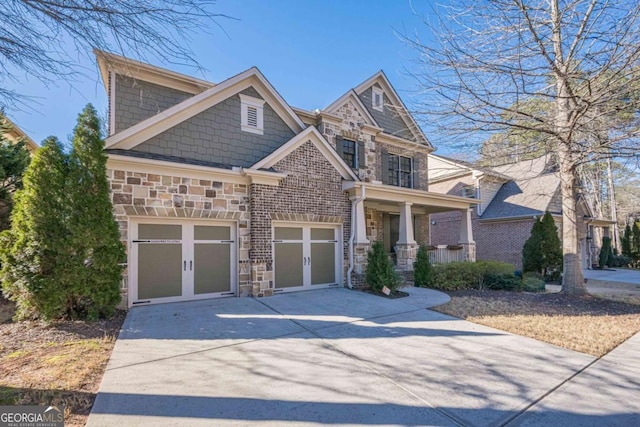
16	134
511	198
224	189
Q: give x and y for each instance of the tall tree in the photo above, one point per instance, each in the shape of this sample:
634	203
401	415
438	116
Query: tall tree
491	57
36	253
41	38
93	231
14	159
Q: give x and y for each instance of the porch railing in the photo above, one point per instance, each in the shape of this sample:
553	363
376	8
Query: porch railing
443	254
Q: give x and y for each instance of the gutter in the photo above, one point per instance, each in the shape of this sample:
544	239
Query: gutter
354	204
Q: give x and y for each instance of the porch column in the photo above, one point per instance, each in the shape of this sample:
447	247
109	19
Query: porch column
360	241
466	236
360	224
406	247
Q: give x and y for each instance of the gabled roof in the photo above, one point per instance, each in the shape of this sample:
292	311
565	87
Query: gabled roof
309	134
531	196
406	116
150	73
15	134
443	168
170	117
352	96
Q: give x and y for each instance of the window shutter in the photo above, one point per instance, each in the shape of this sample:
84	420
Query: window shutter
339	146
361	154
416	173
385	167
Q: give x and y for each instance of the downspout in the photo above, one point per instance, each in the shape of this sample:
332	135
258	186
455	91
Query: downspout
354	205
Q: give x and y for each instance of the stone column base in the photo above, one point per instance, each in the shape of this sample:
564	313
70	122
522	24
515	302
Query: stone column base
261	279
406	254
360	251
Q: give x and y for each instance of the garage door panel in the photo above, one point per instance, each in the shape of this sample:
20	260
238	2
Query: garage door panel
323	263
159	270
211	232
160	231
288	265
212	268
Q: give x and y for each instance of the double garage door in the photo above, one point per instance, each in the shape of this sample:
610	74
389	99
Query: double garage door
180	261
174	261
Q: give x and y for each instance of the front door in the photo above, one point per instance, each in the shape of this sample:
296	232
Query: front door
173	261
306	256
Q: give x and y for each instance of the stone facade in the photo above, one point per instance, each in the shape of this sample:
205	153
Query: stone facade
137	194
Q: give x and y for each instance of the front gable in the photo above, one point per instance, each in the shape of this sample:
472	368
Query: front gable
393	116
216	135
351	108
312	136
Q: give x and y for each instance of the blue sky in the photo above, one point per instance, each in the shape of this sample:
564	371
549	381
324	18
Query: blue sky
311	51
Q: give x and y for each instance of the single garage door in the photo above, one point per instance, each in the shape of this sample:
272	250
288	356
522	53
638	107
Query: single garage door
181	261
306	256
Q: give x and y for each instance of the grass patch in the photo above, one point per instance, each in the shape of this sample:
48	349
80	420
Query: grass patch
56	364
585	324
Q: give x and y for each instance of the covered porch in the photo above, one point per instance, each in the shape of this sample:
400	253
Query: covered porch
399	217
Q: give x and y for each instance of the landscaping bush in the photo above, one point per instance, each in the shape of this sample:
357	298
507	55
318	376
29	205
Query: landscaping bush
532	284
620	261
380	271
502	282
422	269
469	275
606	253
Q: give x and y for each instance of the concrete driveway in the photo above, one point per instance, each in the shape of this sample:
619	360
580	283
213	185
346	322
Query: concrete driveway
341	357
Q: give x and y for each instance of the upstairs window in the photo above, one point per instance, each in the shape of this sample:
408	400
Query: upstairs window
251	114
352	152
401	171
377	99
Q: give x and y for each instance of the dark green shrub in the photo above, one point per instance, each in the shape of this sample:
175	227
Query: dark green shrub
531	284
468	275
380	271
502	282
620	261
606	252
422	269
542	252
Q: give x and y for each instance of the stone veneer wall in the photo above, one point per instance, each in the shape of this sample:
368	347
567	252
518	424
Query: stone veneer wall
312	192
163	196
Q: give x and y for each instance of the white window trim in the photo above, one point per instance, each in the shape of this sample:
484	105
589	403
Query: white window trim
249	101
377	91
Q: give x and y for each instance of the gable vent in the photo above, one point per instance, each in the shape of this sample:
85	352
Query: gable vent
252	116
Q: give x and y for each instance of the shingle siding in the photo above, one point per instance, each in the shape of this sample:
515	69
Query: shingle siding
215	135
137	100
388	119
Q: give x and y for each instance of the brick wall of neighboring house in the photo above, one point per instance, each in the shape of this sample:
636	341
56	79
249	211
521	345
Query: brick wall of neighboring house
502	241
312	192
164	196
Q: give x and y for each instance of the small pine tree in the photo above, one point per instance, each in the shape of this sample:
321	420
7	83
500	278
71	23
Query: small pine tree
542	252
14	159
422	268
94	232
380	271
35	251
635	242
606	253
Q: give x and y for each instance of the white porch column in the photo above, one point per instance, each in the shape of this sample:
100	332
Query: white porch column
359	223
406	225
466	236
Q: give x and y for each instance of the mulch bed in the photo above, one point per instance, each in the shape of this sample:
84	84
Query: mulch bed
554	303
392	295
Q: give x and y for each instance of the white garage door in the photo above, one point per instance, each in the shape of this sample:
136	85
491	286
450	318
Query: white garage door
306	256
173	261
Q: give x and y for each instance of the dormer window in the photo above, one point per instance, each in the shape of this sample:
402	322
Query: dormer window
252	115
377	98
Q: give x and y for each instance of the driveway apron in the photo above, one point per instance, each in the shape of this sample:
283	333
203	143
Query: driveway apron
332	357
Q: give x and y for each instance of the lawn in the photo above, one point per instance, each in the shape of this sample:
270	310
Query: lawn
586	324
60	364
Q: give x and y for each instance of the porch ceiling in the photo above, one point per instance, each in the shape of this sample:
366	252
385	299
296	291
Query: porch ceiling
389	198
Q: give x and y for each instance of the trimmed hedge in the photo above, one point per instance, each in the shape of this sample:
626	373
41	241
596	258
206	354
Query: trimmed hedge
473	275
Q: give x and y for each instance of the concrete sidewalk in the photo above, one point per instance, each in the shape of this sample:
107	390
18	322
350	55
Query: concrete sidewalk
341	357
